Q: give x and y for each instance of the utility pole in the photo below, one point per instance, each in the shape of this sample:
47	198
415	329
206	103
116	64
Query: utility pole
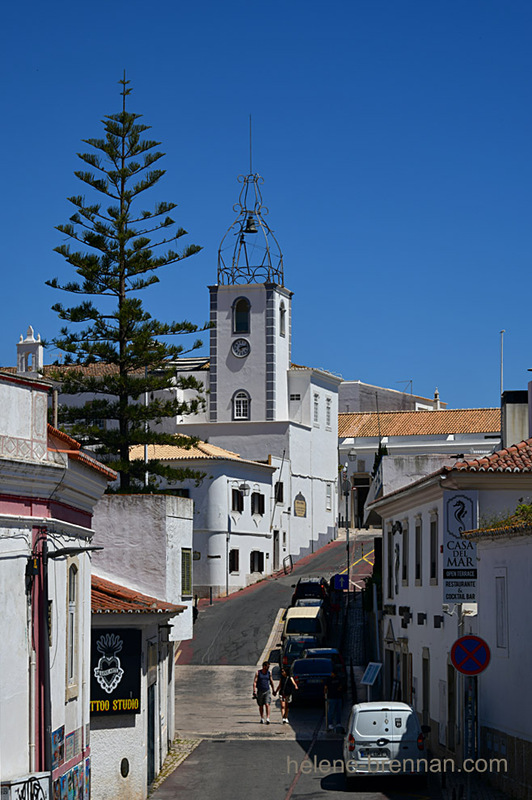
346	489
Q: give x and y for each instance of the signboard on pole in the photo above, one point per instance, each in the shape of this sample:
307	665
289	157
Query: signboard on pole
340	581
459	555
470	655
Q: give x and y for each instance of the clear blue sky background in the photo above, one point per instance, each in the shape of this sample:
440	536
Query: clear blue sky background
394	136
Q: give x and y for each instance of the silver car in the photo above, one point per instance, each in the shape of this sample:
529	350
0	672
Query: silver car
384	738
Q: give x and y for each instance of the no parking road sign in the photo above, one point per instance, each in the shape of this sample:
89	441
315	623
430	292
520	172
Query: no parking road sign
470	655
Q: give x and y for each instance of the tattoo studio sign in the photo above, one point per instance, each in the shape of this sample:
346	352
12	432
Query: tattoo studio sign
459	555
115	671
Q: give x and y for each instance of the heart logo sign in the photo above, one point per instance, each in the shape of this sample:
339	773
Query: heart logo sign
108	672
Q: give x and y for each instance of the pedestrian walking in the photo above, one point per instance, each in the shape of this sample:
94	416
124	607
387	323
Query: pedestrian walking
285	689
261	691
334	692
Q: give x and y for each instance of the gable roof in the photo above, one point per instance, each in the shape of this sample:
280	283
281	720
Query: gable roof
514	459
61	442
200	451
112	598
419	423
517	458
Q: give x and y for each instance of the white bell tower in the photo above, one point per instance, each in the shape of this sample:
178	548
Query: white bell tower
30	355
251	310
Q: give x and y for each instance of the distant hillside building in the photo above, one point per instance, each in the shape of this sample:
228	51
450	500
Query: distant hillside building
356	396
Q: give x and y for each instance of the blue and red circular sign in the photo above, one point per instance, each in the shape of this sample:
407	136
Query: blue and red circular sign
470	655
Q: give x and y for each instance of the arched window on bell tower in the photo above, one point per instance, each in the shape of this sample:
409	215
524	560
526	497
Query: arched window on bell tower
282	319
241	403
241	315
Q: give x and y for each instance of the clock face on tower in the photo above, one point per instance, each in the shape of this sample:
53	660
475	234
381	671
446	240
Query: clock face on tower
240	348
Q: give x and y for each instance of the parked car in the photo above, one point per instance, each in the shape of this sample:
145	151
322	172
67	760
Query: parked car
293	648
310	587
311	675
305	622
329	652
379	733
305	602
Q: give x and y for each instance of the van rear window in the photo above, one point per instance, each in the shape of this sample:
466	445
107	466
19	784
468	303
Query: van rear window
302	625
369	723
391	722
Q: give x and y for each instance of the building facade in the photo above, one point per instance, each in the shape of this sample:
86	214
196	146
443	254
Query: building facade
48	490
427	605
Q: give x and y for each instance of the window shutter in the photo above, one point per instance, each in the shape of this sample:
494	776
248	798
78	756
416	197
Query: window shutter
186	572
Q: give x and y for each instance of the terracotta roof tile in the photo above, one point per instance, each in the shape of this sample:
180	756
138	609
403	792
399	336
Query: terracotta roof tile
496	533
73	449
517	458
200	451
419	423
112	598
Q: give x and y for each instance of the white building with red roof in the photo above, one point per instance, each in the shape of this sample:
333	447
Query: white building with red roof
415	443
131	687
435	590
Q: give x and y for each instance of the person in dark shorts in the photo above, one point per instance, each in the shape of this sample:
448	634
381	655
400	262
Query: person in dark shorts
286	687
334	692
261	691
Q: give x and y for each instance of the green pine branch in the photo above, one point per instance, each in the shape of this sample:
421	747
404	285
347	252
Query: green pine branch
117	356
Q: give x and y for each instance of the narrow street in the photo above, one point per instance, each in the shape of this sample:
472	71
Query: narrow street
232	755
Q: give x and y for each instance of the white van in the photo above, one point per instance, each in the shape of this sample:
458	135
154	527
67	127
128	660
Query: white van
309	621
384	738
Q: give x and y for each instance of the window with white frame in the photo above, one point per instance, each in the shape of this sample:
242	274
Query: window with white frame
282	319
256	561
316	409
328	496
72	624
237	500
234	560
328	414
257	503
241	405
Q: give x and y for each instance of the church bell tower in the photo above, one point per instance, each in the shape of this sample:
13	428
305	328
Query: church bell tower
251	310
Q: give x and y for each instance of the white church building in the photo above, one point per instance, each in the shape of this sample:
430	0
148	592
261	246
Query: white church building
259	403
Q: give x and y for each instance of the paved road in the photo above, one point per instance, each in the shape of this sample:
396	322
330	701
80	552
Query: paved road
236	757
273	770
235	630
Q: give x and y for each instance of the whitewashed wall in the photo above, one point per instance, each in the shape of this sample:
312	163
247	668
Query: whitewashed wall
142	536
505	689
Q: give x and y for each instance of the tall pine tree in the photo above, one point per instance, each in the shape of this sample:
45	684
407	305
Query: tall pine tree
121	355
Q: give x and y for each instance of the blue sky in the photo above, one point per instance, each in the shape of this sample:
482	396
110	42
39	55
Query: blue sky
394	137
